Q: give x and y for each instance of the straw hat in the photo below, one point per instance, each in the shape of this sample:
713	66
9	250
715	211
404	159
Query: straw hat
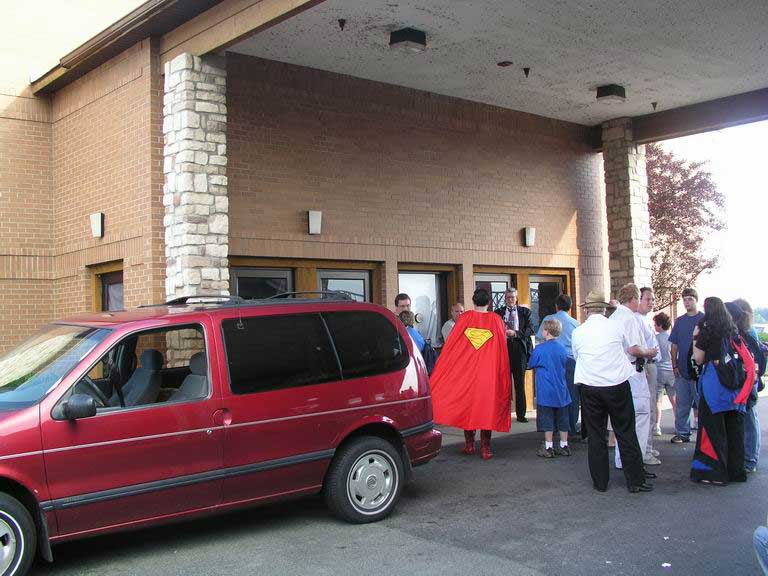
595	299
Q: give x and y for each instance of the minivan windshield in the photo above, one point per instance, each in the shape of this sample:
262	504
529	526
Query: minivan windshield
29	371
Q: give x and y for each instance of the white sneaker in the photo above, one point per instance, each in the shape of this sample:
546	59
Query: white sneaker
651	461
657	430
654	452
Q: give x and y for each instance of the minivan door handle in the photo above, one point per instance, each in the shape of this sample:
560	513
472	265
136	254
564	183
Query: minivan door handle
222	417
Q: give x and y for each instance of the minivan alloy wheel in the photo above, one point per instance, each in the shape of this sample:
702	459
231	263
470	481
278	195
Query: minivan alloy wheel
371	481
7	545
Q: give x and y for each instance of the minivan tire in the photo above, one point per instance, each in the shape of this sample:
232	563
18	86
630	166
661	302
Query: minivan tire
365	480
18	537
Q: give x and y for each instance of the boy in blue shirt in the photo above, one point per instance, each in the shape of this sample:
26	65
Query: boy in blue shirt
552	398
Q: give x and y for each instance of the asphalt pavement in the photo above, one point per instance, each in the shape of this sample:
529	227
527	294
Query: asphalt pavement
516	514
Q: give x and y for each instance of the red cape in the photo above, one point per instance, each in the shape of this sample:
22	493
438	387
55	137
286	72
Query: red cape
471	384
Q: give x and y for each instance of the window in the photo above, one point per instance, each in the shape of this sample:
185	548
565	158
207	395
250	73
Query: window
428	296
111	291
367	343
150	367
273	352
357	282
496	284
544	292
255	283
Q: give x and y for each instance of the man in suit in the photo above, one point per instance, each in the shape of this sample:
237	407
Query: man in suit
517	320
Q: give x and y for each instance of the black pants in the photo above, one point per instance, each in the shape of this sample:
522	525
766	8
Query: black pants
616	402
518	360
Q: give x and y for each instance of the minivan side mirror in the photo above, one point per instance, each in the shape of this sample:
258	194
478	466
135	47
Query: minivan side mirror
79	406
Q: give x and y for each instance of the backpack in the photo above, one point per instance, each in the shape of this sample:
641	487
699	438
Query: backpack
429	355
736	368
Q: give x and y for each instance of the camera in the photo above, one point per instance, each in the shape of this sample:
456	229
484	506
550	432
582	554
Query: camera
639	364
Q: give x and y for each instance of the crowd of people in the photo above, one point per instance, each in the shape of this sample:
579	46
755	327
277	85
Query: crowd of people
604	381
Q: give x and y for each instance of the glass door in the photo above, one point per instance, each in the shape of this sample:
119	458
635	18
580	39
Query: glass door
427	293
544	291
496	284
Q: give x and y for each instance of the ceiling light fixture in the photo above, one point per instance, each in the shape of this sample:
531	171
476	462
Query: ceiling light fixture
611	93
408	40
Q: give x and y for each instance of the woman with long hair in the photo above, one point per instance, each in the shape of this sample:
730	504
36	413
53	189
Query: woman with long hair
719	455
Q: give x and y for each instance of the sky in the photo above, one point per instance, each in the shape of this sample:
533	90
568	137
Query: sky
736	158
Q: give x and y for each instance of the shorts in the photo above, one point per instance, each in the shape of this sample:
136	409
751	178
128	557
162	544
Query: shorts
665	381
549	419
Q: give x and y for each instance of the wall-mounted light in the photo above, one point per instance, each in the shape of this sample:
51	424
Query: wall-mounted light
97	224
529	236
315	221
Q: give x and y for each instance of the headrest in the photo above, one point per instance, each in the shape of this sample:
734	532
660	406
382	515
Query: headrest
151	360
198	364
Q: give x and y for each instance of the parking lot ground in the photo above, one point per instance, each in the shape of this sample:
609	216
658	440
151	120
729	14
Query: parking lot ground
516	514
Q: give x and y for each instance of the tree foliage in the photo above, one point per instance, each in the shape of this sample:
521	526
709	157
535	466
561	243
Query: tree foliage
685	207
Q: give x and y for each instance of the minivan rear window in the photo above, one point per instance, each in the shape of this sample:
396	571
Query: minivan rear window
273	352
367	343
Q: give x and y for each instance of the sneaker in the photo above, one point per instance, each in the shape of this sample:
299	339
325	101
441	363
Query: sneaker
655	452
680	439
657	430
562	451
546	452
651	461
750	469
523	419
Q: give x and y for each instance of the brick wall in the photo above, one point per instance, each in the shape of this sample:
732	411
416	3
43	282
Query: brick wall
402	175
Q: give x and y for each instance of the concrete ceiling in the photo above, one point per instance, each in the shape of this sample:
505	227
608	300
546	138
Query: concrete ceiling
673	53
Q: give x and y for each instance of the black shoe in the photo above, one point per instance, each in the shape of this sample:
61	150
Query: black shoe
644	487
596	487
523	419
650	475
680	439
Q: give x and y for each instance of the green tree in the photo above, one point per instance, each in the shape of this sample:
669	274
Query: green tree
685	207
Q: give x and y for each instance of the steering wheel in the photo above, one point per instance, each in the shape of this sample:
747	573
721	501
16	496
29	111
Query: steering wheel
95	391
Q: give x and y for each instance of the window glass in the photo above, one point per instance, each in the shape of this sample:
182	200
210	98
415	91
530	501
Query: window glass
272	352
497	285
356	282
149	367
544	291
256	283
112	291
367	343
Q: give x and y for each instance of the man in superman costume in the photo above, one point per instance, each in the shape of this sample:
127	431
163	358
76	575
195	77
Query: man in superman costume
471	385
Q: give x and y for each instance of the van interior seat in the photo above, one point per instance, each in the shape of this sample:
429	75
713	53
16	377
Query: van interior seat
143	386
195	385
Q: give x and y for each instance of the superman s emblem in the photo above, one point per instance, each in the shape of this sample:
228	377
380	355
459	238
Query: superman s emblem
478	336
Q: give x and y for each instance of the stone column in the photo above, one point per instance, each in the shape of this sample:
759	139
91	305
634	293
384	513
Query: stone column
195	165
626	199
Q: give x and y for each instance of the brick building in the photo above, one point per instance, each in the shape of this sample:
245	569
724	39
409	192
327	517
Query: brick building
205	131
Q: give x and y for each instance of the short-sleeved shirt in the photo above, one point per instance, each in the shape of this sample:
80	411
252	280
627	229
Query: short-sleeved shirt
549	360
662	341
682	337
598	346
567	323
632	330
447	327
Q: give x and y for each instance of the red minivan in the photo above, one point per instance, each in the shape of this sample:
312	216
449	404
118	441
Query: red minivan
126	419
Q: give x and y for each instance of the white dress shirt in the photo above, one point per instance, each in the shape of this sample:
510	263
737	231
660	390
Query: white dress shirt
447	327
649	333
631	327
601	360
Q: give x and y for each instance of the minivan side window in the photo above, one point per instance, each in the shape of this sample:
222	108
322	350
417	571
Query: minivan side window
272	352
367	343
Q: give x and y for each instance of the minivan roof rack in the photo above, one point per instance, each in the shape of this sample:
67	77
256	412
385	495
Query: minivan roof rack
338	294
185	299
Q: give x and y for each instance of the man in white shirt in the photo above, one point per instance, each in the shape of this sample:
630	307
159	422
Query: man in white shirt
627	322
645	307
603	371
456	311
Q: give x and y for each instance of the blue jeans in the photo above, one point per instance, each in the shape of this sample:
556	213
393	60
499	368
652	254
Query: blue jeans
685	392
751	438
760	540
573	390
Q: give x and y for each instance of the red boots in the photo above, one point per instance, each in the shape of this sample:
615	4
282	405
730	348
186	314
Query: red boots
485	444
469	442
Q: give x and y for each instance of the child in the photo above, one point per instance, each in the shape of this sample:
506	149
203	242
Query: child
552	397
